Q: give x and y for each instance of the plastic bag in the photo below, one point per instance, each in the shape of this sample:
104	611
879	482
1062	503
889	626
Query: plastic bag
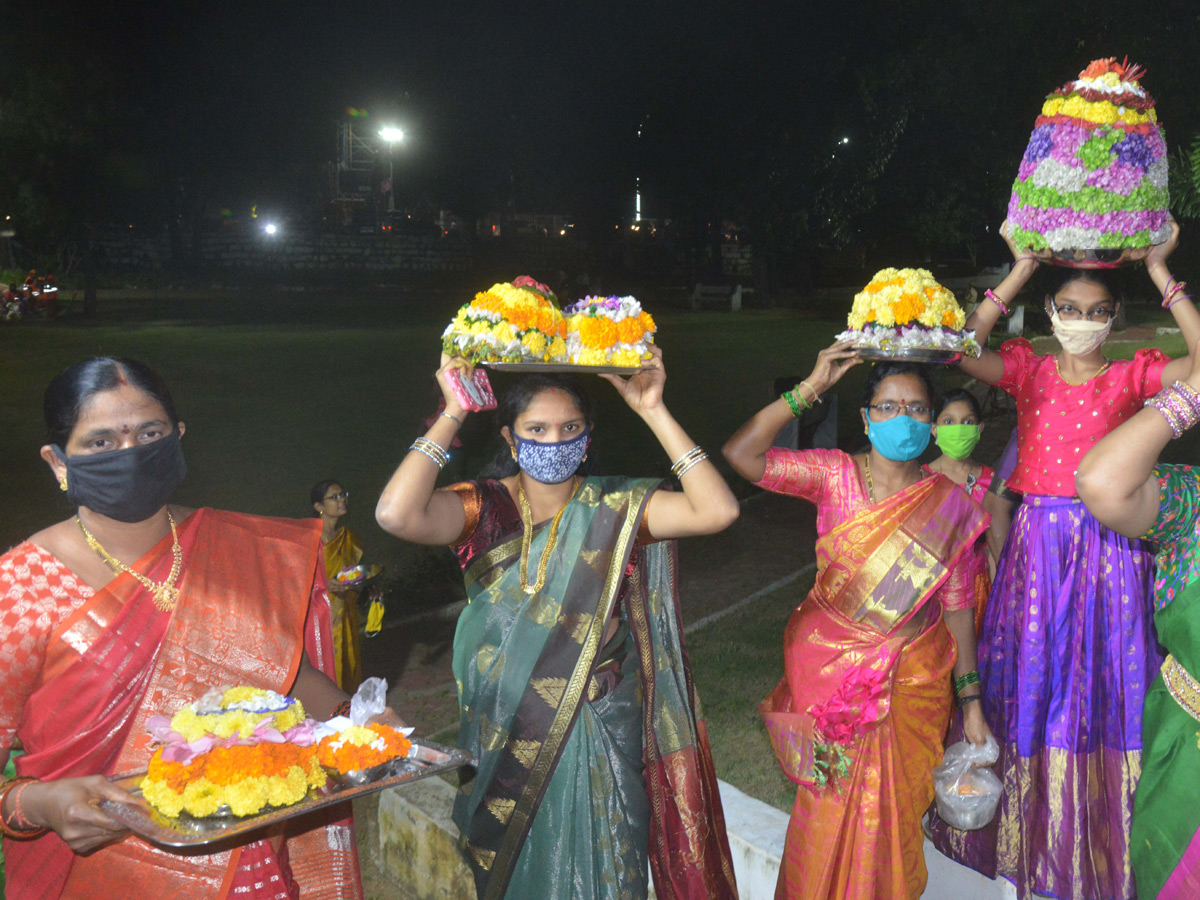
369	700
967	795
374	617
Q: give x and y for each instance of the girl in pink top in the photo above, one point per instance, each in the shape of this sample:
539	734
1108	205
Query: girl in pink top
1067	648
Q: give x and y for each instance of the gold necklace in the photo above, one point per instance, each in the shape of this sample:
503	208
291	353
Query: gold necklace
1096	374
165	594
870	483
527	538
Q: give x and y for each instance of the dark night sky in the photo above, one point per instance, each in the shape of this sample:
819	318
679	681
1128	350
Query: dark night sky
542	100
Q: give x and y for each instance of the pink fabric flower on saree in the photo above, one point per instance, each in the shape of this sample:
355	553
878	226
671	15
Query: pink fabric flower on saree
844	716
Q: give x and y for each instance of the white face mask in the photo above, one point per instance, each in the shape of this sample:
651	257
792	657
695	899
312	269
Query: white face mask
1081	337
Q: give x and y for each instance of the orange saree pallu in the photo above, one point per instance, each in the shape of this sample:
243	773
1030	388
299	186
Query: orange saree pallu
247	610
859	718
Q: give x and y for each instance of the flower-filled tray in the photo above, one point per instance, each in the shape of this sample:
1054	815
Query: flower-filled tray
355	575
567	368
187	831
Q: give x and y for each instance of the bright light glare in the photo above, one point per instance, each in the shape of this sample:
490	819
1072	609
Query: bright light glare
391	134
270	228
845	140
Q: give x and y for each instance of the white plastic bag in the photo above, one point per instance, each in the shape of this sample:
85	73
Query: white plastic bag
369	700
967	795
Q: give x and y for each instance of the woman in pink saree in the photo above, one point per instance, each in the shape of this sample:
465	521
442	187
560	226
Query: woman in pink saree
859	717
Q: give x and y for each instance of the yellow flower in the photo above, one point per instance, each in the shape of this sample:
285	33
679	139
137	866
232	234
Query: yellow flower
535	342
626	358
903	296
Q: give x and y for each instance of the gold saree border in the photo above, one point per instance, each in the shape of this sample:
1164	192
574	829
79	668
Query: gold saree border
543	767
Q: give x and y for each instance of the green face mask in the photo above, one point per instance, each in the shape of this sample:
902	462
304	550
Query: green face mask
957	441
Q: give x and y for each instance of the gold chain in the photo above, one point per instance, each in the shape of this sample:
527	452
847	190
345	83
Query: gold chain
165	594
870	483
527	538
1096	374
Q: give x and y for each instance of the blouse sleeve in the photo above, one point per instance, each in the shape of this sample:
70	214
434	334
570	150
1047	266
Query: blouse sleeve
807	474
472	500
1148	368
1178	504
36	594
1018	357
958	591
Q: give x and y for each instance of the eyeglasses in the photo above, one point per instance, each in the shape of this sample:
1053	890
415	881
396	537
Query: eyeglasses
344	495
1069	313
891	410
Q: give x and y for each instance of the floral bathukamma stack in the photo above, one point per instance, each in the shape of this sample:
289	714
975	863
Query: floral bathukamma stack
1094	175
243	748
517	322
608	331
905	310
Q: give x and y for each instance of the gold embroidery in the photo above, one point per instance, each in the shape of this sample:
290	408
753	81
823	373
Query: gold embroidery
550	690
493	557
1182	686
544	610
501	807
491	735
483	858
577	625
485	656
525	751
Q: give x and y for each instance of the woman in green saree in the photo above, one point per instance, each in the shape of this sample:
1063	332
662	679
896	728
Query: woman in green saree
1125	488
575	694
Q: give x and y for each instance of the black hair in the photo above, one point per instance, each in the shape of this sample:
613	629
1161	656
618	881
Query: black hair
1112	282
516	400
883	370
962	395
75	385
317	494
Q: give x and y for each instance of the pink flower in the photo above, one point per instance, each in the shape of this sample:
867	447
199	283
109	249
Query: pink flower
855	705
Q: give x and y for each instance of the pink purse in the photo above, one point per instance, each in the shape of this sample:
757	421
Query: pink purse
474	394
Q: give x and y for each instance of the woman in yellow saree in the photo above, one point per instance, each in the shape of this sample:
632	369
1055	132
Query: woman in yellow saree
859	718
342	550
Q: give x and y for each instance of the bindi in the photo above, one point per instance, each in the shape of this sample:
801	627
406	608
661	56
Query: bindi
125	429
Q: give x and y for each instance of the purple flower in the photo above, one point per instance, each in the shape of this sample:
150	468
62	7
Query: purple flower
1040	143
1133	150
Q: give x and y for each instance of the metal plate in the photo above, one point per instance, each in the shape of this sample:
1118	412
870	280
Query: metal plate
570	368
365	574
187	831
1107	258
910	354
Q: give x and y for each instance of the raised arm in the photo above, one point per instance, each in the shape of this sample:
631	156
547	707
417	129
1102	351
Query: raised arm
988	367
409	507
1116	479
747	449
706	504
1182	308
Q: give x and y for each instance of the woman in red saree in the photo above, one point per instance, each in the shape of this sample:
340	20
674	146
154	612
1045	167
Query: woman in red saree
859	718
134	607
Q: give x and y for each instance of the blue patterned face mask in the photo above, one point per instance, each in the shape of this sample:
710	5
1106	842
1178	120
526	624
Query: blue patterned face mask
552	463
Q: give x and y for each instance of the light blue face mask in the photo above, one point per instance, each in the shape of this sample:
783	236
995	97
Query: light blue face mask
552	463
901	438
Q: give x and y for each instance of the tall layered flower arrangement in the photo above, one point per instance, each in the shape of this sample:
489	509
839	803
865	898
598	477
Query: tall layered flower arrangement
608	331
509	322
1094	175
906	309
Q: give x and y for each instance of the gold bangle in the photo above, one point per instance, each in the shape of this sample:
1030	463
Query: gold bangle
816	397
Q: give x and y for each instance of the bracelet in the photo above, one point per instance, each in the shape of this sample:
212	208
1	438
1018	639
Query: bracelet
1171	292
447	415
1179	404
966	680
699	459
1022	259
13	829
963	701
342	709
816	397
428	448
796	408
688	460
989	294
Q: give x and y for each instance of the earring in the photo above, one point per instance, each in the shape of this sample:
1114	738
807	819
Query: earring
511	449
584	458
62	482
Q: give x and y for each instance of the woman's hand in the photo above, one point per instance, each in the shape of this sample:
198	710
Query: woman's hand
453	407
832	363
643	391
1022	252
1156	257
71	808
389	717
975	727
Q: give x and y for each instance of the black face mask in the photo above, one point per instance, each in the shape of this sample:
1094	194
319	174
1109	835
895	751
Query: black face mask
128	485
